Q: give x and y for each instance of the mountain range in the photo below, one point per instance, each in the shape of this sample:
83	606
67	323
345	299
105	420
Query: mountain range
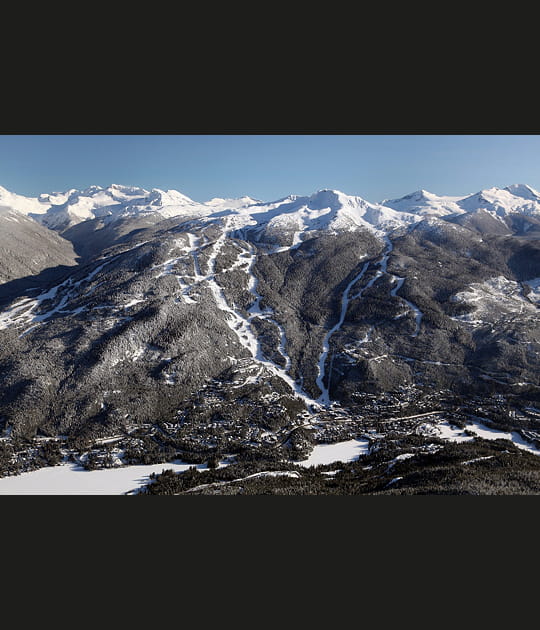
65	209
256	330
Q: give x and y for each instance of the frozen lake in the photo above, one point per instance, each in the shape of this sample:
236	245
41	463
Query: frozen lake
339	452
73	479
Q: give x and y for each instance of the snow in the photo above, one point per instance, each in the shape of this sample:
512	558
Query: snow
524	191
499	202
73	479
133	302
325	210
346	298
347	451
23	311
273	473
240	202
493	297
402	457
488	433
22	204
450	432
423	202
503	201
478	459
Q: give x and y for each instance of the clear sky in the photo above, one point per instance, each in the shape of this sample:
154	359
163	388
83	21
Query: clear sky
268	167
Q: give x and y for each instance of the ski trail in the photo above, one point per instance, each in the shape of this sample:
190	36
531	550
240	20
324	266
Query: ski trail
389	249
417	312
24	310
399	283
296	242
324	398
241	325
369	284
382	264
255	310
194	245
383	270
282	344
346	298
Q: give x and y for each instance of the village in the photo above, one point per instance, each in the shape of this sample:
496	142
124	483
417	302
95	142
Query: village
213	428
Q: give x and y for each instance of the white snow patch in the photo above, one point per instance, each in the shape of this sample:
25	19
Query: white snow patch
331	473
488	433
494	297
402	457
347	451
477	459
450	432
272	473
133	302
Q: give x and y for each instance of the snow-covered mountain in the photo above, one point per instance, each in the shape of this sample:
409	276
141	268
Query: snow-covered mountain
296	217
422	202
518	198
329	210
513	199
114	202
62	210
23	204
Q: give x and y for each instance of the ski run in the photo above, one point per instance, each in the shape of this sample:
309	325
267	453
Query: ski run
241	325
346	298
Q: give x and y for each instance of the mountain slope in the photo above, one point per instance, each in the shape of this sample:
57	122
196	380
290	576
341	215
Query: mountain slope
27	249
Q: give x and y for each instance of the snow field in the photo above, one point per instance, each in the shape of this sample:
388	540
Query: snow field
346	451
449	432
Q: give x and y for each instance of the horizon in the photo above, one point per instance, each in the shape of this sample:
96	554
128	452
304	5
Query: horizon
270	167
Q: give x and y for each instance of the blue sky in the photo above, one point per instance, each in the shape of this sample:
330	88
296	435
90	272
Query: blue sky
268	167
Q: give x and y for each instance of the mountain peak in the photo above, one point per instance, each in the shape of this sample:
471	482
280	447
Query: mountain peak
423	202
335	199
523	190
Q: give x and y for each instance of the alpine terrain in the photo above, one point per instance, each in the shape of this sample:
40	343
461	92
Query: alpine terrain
245	337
